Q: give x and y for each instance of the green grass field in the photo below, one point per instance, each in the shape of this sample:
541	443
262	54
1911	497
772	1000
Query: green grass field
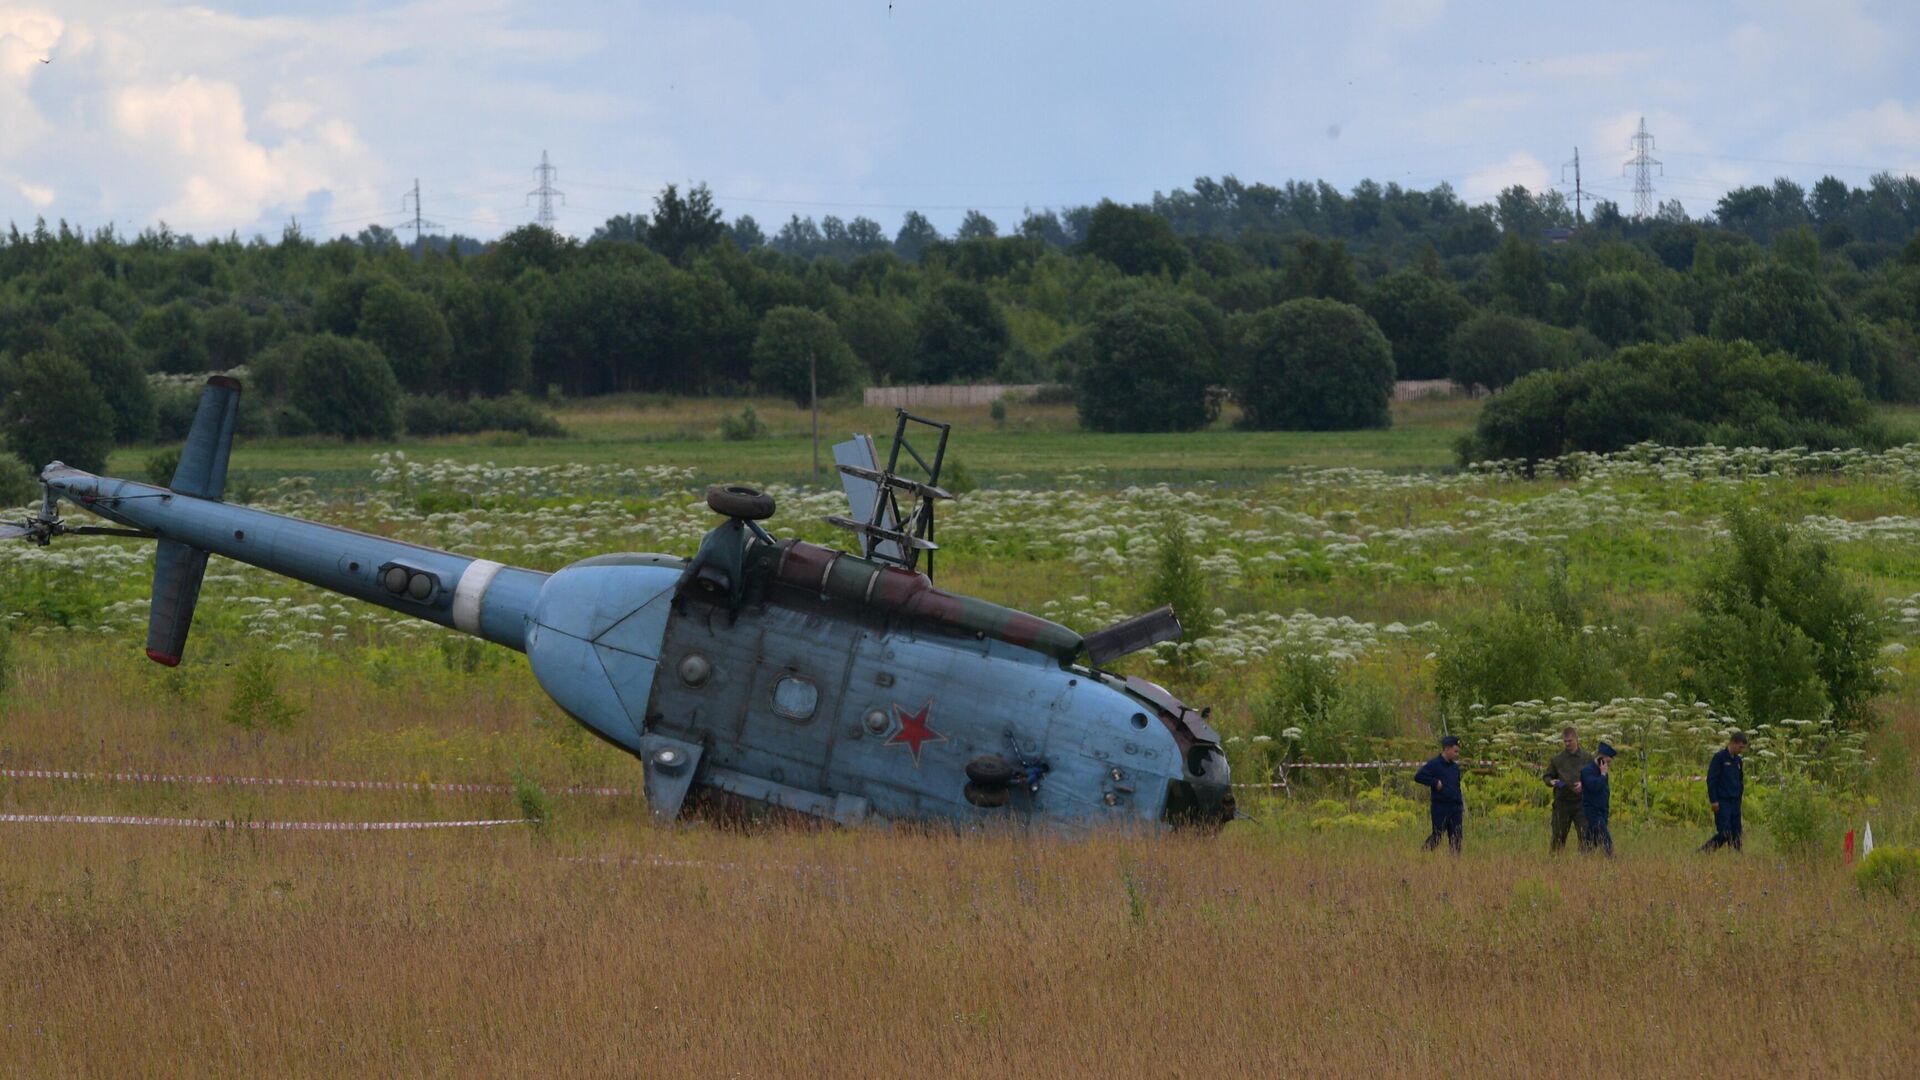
1308	940
1035	443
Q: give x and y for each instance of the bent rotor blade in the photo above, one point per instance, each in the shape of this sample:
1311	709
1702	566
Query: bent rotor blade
106	530
9	530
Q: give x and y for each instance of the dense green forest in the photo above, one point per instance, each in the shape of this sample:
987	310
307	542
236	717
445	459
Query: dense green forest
1302	300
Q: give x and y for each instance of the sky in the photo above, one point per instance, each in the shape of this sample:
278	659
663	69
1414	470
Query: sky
237	116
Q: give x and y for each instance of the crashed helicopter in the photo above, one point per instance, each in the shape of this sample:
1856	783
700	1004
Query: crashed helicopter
841	685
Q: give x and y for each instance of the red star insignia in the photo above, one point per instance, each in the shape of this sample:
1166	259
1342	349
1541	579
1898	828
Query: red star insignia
915	731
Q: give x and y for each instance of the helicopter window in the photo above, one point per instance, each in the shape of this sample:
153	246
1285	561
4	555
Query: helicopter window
795	698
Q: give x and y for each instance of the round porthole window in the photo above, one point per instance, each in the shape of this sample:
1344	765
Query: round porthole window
795	698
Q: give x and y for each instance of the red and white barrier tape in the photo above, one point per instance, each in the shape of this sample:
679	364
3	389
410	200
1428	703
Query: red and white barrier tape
269	781
264	826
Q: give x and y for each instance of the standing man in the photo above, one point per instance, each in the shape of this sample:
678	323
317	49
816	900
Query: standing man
1563	776
1596	798
1726	782
1447	809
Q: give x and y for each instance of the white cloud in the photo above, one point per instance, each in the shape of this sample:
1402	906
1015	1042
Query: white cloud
1488	181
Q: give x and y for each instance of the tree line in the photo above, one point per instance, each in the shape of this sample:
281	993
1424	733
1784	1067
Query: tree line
1303	301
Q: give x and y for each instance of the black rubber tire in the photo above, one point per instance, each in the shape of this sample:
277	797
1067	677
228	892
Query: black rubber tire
739	501
990	770
987	798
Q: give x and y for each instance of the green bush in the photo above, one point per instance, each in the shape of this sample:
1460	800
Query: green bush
51	411
1179	581
1313	365
1696	392
1417	312
1147	366
161	465
18	484
1492	350
1803	821
1778	632
439	415
1888	869
531	798
346	388
257	701
743	428
1539	644
799	352
1326	709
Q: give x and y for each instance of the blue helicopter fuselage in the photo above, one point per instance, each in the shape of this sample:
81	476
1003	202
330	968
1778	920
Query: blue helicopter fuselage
783	674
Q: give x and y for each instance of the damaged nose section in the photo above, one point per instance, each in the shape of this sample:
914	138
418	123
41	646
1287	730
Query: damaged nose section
1205	797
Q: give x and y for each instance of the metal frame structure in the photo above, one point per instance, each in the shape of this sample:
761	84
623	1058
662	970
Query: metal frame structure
913	532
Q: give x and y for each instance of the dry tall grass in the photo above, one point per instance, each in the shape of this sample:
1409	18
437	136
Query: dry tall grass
617	949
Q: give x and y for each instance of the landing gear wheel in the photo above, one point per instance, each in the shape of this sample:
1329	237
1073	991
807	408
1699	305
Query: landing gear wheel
739	501
990	770
988	798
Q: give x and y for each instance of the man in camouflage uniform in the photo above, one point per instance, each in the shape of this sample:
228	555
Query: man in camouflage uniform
1563	776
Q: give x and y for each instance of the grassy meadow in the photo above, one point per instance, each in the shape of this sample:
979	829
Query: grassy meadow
1316	938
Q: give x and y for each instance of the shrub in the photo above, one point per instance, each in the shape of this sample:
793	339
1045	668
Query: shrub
799	352
743	428
531	798
1418	313
959	333
1539	644
161	465
1803	821
1134	239
1777	631
1492	350
257	701
173	338
1323	707
1695	392
1313	365
439	415
1782	308
346	388
1888	869
1147	367
51	411
1178	580
18	484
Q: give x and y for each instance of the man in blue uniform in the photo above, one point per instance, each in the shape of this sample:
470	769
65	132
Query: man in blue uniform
1447	809
1596	798
1726	782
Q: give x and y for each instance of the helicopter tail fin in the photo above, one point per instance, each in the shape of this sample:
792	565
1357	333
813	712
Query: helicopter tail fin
202	471
178	568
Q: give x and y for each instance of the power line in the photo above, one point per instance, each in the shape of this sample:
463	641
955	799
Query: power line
546	193
1643	164
419	225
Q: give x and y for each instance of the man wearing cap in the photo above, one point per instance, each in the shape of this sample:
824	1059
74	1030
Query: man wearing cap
1726	782
1563	776
1596	800
1446	808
